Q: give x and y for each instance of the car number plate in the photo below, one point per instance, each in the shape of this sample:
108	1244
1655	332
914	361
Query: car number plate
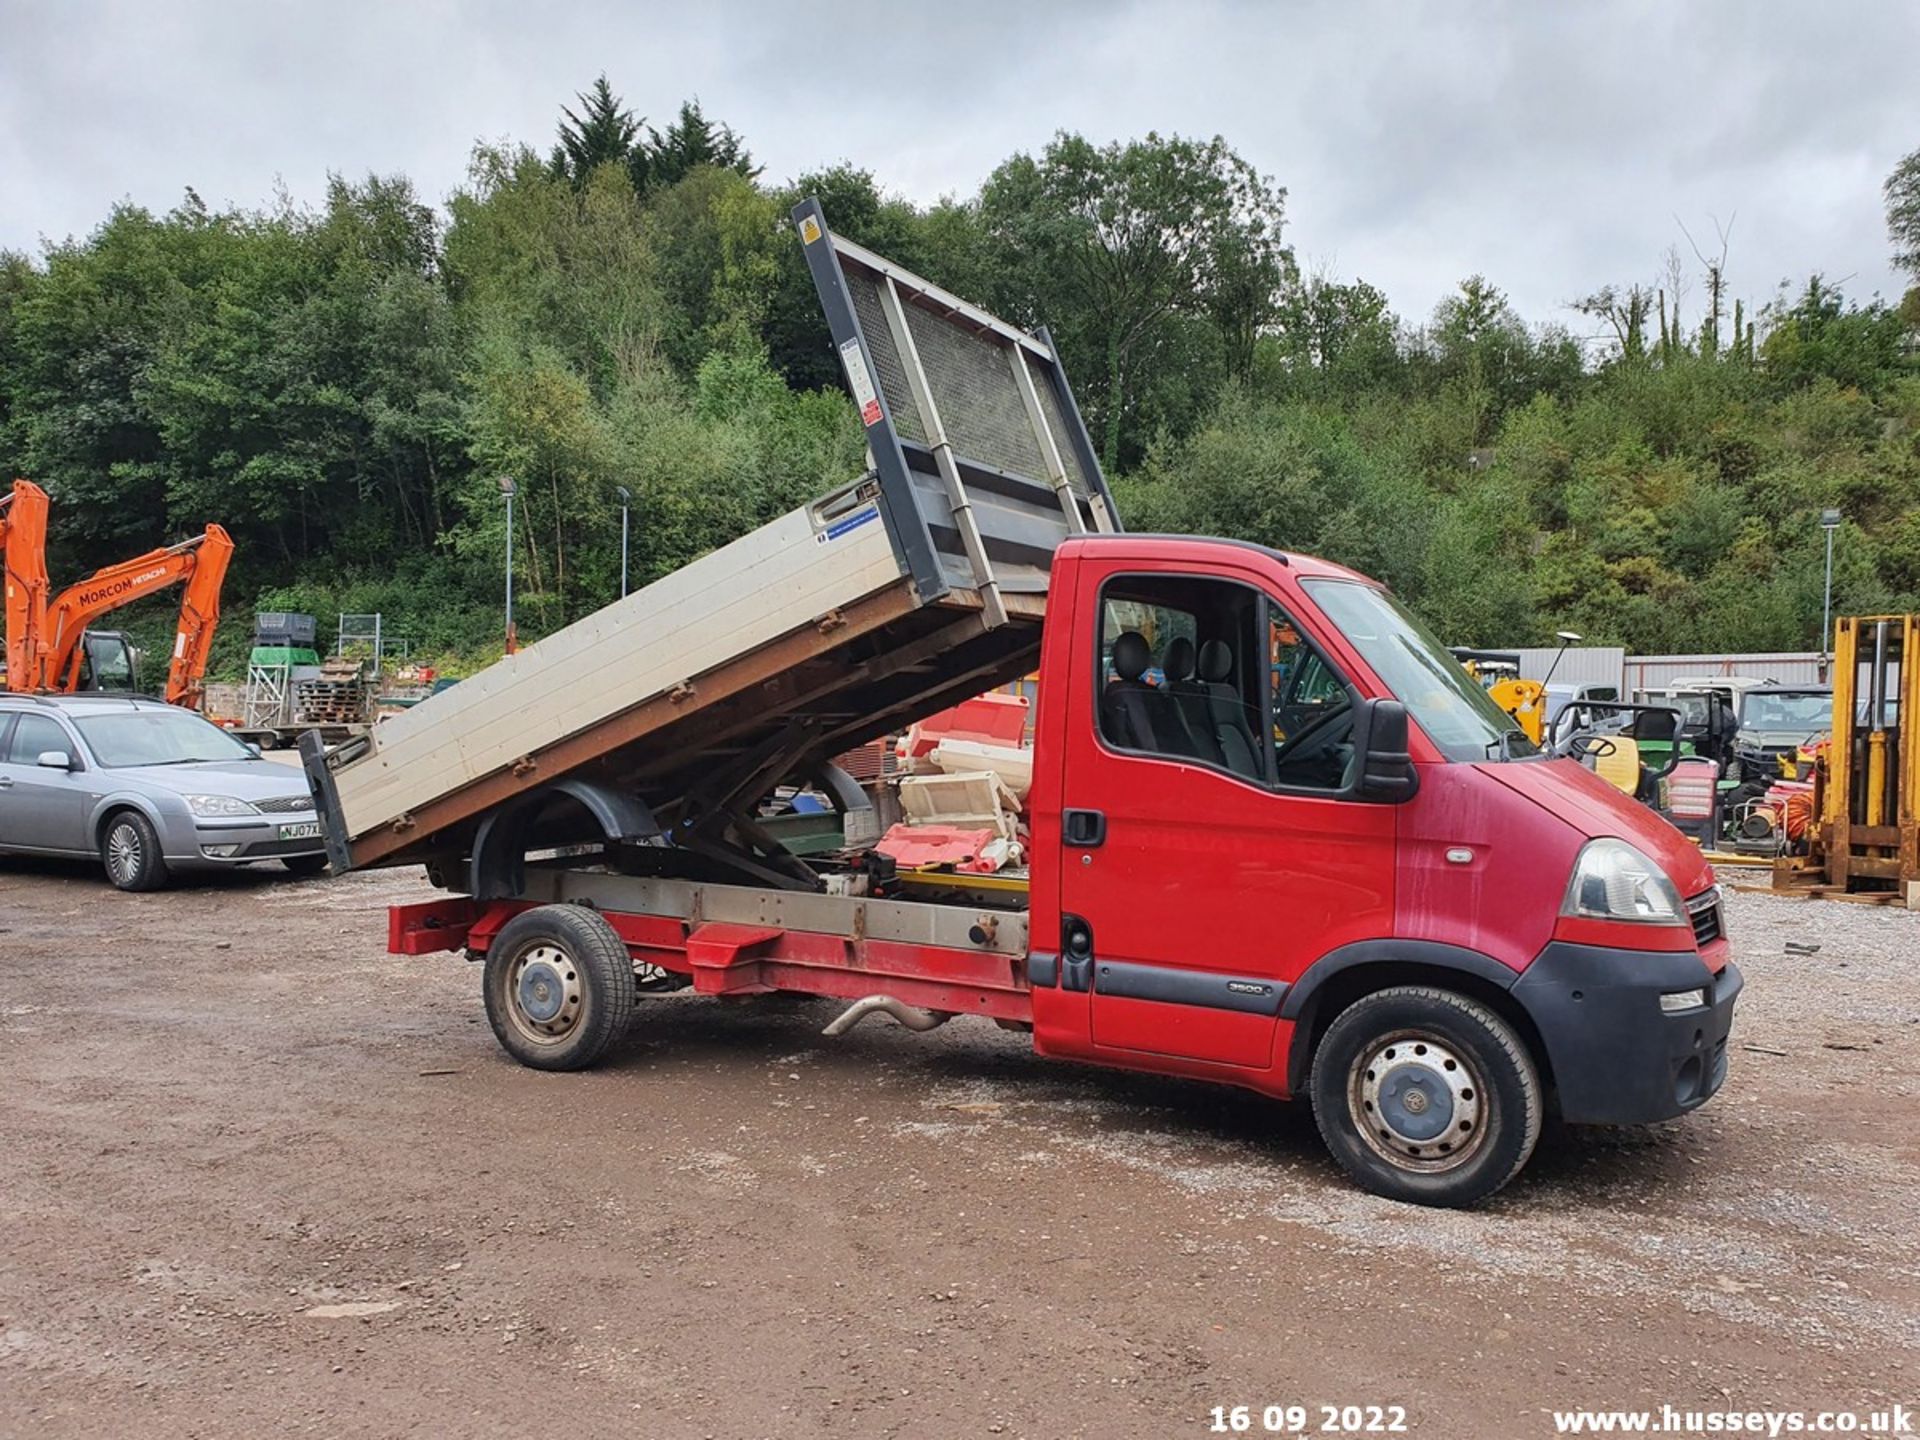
308	831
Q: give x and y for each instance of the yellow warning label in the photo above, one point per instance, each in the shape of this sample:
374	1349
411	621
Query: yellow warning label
809	230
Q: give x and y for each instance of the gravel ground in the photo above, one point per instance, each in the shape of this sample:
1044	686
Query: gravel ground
260	1177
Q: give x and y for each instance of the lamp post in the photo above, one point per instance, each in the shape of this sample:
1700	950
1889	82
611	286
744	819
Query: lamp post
625	500
1829	522
507	491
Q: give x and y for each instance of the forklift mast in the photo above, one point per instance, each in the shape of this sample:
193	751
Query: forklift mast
1867	793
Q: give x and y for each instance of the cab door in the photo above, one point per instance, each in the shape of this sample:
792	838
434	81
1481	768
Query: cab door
1194	890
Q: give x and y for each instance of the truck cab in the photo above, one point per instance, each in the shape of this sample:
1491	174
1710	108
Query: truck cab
1229	874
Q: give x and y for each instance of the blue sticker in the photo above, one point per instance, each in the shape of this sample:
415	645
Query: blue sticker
847	523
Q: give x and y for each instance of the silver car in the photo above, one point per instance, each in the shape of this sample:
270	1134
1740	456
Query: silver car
146	787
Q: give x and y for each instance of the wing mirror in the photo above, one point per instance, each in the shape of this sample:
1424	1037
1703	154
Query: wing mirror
55	760
1380	739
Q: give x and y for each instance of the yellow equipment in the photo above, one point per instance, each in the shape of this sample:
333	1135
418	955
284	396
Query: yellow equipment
1866	839
1525	701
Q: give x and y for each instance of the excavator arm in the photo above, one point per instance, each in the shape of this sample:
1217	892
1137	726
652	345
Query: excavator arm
199	617
199	563
23	556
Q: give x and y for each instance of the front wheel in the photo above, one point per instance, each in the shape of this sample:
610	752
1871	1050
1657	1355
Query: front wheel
1426	1096
130	851
559	987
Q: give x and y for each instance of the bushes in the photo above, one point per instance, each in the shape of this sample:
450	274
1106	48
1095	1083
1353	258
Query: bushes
345	387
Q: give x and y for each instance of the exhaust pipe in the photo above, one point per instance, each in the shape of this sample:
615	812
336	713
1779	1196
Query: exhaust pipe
911	1016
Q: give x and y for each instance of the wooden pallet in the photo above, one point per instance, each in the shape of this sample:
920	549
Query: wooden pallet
1822	892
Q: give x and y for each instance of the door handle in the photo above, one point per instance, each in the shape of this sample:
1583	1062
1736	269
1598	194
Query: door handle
1084	828
6	782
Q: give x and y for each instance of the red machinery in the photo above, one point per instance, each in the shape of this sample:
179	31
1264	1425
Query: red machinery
49	644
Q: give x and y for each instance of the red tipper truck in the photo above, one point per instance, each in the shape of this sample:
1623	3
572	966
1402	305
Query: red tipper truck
1280	839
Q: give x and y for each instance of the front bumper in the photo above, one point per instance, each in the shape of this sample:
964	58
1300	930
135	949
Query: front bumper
239	841
1617	1057
1761	763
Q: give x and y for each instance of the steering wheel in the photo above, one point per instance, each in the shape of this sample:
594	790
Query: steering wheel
1316	740
1563	727
1582	746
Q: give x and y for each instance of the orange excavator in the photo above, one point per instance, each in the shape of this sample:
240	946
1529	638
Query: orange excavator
49	645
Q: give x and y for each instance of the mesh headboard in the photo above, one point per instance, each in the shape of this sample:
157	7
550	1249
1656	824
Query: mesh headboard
983	459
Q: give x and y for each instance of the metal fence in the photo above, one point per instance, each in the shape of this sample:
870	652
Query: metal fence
1611	665
1787	667
1580	665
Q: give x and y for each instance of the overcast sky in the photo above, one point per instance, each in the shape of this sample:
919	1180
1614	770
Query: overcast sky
1548	145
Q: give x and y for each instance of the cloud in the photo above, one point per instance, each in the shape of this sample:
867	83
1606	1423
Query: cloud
1550	147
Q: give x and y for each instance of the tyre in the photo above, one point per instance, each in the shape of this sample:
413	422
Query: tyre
1426	1096
130	851
559	987
304	865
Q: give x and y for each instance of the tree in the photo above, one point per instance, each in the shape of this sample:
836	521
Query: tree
1625	312
1819	334
691	141
1477	344
1114	245
604	132
1902	192
1335	338
716	241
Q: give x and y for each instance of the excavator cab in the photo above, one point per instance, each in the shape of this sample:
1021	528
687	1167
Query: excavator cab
109	662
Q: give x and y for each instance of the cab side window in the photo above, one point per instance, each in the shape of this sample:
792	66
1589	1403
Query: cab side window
1214	673
1154	631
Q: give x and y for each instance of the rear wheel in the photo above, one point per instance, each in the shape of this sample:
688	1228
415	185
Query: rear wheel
1426	1096
130	851
559	987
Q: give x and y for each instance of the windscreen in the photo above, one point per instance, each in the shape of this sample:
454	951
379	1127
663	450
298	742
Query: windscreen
1445	702
1808	711
156	736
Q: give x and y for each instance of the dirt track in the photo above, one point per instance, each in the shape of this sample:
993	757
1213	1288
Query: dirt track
226	1109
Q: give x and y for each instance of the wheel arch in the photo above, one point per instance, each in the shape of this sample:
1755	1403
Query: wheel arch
499	863
112	805
1352	972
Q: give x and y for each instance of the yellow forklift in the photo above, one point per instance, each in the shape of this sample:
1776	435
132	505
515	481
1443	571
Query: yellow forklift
1867	789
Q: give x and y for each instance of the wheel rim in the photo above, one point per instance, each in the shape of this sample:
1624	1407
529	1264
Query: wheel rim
123	853
544	999
1418	1102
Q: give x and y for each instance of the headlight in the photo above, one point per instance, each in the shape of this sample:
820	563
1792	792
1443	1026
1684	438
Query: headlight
1614	881
212	806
